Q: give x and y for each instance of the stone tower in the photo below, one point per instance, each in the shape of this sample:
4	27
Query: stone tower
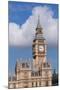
39	46
39	49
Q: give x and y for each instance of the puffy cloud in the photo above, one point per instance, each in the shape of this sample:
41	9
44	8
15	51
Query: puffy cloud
23	35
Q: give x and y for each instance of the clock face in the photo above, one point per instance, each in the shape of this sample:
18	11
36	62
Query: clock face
41	48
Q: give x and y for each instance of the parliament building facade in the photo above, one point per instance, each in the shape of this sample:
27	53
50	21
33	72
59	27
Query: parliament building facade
36	72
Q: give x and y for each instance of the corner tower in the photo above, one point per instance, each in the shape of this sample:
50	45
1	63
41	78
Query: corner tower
39	46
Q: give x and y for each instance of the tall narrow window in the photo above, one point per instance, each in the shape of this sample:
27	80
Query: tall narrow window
46	83
32	84
40	72
14	85
23	65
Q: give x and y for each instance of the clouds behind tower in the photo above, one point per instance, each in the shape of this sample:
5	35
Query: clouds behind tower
24	34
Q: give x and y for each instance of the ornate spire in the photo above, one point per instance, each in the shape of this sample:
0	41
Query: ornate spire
17	62
39	28
38	24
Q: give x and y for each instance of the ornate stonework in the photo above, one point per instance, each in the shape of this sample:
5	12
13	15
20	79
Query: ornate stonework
36	72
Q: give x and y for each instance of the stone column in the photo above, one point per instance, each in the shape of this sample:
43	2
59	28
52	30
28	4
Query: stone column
38	84
34	84
50	83
42	83
17	85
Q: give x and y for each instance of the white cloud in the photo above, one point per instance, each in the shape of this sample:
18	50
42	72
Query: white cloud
23	35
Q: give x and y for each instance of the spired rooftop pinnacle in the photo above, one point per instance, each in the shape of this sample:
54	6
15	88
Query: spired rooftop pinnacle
39	28
39	31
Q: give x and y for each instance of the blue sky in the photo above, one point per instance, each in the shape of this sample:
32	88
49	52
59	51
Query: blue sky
18	13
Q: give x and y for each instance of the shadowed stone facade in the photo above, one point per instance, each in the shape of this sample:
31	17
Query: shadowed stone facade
36	72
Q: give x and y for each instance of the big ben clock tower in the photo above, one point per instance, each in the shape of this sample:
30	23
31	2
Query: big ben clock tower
39	46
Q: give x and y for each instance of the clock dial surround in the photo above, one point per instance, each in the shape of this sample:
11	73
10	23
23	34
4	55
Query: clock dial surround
41	48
